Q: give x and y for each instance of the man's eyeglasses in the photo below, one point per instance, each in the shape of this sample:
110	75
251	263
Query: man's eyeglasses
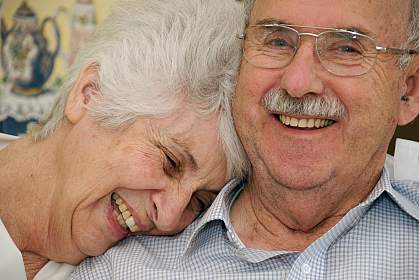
341	52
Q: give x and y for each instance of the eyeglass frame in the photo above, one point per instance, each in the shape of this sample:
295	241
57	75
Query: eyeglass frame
379	49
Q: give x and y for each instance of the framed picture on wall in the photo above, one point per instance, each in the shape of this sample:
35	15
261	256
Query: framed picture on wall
39	41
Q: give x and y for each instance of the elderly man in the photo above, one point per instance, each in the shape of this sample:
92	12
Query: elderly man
322	86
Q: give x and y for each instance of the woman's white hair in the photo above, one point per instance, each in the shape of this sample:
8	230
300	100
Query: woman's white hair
152	55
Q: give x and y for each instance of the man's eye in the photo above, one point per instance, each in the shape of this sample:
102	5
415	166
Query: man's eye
277	42
347	49
277	39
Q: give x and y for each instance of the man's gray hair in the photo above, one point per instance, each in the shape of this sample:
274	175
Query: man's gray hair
412	33
152	56
413	28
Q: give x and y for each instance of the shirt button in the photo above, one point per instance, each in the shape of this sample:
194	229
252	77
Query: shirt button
306	268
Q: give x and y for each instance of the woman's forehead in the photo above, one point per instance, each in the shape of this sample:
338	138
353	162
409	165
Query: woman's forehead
185	130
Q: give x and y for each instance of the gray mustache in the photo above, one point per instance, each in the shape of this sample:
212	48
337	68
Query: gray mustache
278	101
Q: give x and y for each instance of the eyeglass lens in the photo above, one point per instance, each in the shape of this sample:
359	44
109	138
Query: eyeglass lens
342	53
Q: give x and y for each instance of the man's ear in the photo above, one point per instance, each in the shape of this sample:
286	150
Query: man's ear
80	95
409	107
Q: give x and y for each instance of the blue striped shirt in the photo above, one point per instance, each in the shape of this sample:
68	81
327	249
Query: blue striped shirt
378	239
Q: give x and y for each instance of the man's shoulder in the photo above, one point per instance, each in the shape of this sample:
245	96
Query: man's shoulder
155	247
405	193
141	251
153	257
408	188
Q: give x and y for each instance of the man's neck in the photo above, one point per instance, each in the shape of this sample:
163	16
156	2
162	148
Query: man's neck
278	218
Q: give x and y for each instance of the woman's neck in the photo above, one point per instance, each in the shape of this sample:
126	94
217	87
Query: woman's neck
26	187
33	263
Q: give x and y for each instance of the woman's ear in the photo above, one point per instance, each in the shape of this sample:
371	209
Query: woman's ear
409	107
80	95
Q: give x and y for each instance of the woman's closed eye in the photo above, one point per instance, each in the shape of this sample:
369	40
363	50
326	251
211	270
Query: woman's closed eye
171	164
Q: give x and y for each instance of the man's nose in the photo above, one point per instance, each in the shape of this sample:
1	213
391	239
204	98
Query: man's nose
300	76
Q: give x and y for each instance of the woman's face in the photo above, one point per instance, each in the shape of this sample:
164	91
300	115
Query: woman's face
153	177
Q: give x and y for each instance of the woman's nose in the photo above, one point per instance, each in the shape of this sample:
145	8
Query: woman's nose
171	206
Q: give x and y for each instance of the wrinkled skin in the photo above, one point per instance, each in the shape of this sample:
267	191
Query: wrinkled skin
305	180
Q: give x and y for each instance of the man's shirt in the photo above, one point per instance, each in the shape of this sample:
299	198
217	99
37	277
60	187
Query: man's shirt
378	239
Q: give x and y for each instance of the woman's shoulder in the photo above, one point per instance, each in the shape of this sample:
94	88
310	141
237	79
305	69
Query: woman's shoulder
54	271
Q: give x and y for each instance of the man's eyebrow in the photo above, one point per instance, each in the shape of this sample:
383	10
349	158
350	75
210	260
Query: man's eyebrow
185	150
270	21
357	29
353	28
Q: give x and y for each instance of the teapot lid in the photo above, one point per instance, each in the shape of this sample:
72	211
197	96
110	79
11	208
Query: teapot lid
83	1
24	12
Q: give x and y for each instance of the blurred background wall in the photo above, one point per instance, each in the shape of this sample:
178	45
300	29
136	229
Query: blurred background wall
39	39
410	131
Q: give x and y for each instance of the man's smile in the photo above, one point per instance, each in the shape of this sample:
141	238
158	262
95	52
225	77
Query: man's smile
306	122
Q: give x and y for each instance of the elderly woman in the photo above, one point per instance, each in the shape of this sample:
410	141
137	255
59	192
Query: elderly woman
139	142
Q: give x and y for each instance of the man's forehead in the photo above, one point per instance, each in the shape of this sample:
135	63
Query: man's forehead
364	14
393	6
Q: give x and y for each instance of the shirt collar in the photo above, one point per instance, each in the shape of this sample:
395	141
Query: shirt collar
394	189
220	209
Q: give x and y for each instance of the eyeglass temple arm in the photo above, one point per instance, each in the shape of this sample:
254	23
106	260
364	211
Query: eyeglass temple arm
397	50
240	36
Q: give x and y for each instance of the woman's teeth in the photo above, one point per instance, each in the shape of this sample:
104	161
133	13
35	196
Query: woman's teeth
304	123
123	215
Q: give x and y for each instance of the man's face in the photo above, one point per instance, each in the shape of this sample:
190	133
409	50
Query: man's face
354	146
164	172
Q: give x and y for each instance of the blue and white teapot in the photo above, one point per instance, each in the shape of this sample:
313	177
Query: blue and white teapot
26	59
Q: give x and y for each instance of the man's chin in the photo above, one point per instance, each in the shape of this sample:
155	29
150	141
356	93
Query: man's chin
304	179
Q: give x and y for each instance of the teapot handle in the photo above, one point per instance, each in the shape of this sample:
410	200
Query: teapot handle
56	32
3	30
3	35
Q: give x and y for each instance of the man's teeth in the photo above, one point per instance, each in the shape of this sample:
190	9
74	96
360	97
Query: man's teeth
304	123
123	215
